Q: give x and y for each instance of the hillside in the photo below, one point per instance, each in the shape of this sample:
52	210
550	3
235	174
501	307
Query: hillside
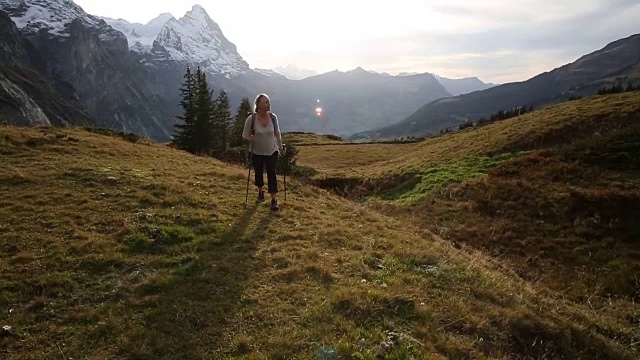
114	247
544	127
28	96
555	194
617	62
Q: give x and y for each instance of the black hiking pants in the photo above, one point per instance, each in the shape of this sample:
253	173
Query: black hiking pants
268	161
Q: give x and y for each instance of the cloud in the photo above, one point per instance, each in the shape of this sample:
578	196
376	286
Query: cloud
502	51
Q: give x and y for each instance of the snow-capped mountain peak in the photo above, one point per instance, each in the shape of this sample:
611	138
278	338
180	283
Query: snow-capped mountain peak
197	12
159	21
196	39
31	16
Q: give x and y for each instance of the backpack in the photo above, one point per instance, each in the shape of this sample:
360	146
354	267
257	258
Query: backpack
253	122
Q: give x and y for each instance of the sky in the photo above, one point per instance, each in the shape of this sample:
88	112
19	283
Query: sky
497	41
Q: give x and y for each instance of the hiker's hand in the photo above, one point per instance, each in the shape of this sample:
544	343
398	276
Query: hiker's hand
250	138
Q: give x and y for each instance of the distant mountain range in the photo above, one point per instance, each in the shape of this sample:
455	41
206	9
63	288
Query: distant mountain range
618	62
62	66
453	86
352	101
127	76
294	73
457	87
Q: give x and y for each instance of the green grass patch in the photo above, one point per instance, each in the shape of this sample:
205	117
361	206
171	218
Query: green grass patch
151	240
435	177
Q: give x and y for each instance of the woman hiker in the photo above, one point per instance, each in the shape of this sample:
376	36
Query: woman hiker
262	131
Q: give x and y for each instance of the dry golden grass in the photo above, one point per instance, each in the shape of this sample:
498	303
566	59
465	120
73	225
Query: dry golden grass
114	249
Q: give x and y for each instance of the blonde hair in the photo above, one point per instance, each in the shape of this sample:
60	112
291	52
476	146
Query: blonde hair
258	98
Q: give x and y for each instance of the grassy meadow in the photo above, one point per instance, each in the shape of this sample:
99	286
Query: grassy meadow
482	244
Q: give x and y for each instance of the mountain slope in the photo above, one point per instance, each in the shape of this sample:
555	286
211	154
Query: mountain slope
92	58
28	96
617	60
52	17
148	238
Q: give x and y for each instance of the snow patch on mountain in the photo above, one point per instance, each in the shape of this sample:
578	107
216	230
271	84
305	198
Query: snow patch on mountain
406	73
293	72
269	72
54	16
140	36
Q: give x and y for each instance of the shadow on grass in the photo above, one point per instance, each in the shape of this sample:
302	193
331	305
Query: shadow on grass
186	313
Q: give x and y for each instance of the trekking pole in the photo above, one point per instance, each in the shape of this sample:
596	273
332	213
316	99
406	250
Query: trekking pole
246	200
284	158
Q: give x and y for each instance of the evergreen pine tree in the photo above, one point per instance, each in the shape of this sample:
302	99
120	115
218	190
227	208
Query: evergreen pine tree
618	88
222	120
203	139
185	131
523	110
243	112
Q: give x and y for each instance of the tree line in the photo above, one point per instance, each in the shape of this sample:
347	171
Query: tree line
207	126
497	116
617	89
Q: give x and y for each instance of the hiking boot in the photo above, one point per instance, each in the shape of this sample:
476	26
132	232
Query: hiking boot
260	195
274	205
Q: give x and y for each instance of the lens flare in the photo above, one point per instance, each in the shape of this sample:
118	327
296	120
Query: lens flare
318	111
